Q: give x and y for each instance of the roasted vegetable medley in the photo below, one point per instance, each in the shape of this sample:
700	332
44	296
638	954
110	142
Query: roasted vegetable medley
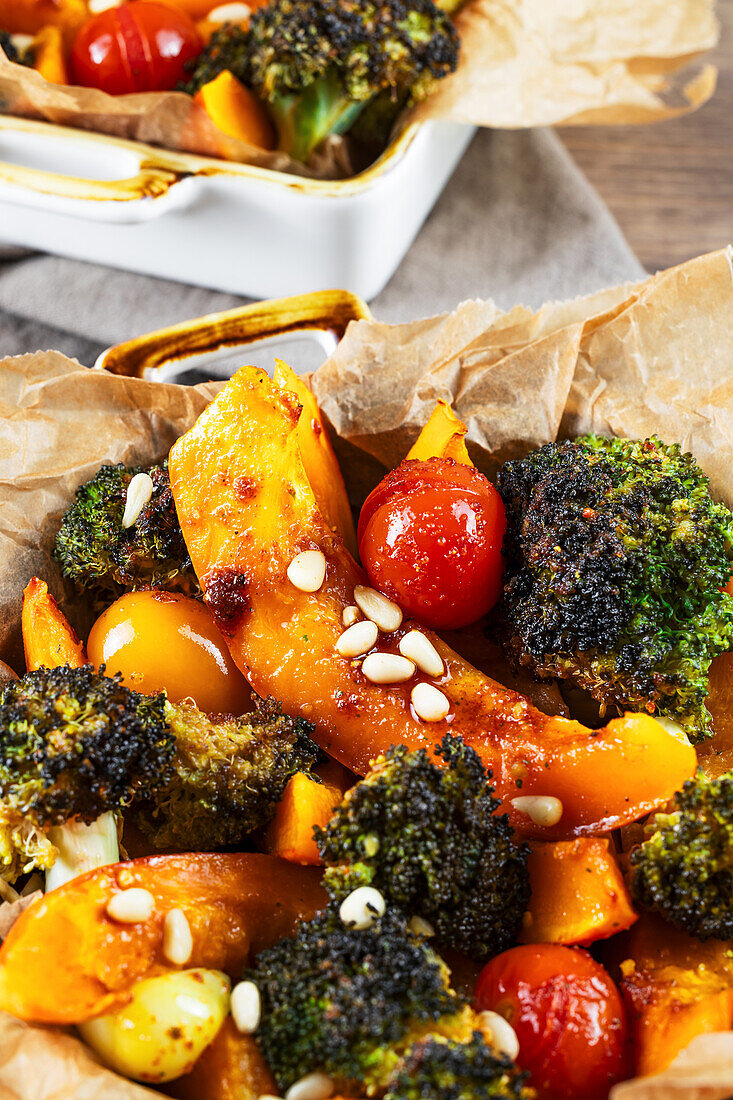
363	866
283	74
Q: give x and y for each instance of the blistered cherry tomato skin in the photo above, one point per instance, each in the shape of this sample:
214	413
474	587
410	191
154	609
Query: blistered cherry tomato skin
430	537
162	641
140	46
568	1015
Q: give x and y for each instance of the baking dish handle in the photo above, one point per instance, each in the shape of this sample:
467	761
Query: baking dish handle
150	182
323	311
75	173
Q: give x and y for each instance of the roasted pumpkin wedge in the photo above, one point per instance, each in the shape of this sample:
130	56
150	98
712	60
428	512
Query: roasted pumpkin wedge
442	437
578	893
247	507
675	987
48	638
66	960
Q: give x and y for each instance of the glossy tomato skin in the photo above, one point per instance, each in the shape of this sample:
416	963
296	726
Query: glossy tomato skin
163	641
430	537
140	46
568	1015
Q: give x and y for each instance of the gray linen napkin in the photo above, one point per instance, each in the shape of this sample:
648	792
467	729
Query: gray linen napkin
518	223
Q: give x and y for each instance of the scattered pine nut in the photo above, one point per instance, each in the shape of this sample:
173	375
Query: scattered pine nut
246	1006
503	1036
131	906
422	651
22	42
387	668
229	13
350	615
307	571
429	703
381	610
362	908
314	1086
358	639
177	938
139	492
543	809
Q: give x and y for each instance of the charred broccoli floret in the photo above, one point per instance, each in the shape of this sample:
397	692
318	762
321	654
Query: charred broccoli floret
442	1069
227	50
684	867
317	63
429	839
349	1003
616	558
228	775
104	558
76	747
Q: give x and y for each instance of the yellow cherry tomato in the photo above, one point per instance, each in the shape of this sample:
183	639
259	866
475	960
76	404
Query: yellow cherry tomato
165	1027
162	641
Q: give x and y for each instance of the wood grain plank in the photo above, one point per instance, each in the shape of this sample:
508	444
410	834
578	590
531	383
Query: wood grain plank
670	185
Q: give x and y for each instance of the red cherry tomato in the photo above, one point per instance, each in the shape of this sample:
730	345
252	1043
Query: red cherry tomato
568	1016
138	47
430	537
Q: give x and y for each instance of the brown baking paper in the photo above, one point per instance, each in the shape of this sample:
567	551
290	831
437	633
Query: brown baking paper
523	63
633	360
59	423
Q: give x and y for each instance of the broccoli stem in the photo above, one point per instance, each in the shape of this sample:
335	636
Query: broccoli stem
305	119
82	847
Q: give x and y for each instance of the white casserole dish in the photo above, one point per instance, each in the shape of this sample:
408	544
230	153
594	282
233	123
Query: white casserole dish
214	223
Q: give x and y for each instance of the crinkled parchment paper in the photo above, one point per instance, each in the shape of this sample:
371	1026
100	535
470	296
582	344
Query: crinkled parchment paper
523	63
633	360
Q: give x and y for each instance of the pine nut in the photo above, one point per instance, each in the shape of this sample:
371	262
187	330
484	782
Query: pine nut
543	809
429	703
422	651
387	668
246	1007
229	13
131	906
421	927
22	42
503	1036
139	492
381	610
362	907
350	615
358	639
307	571
177	938
314	1086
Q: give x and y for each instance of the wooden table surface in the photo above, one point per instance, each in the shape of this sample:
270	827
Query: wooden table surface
669	185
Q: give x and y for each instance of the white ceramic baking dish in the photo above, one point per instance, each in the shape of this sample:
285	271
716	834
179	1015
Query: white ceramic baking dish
217	224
